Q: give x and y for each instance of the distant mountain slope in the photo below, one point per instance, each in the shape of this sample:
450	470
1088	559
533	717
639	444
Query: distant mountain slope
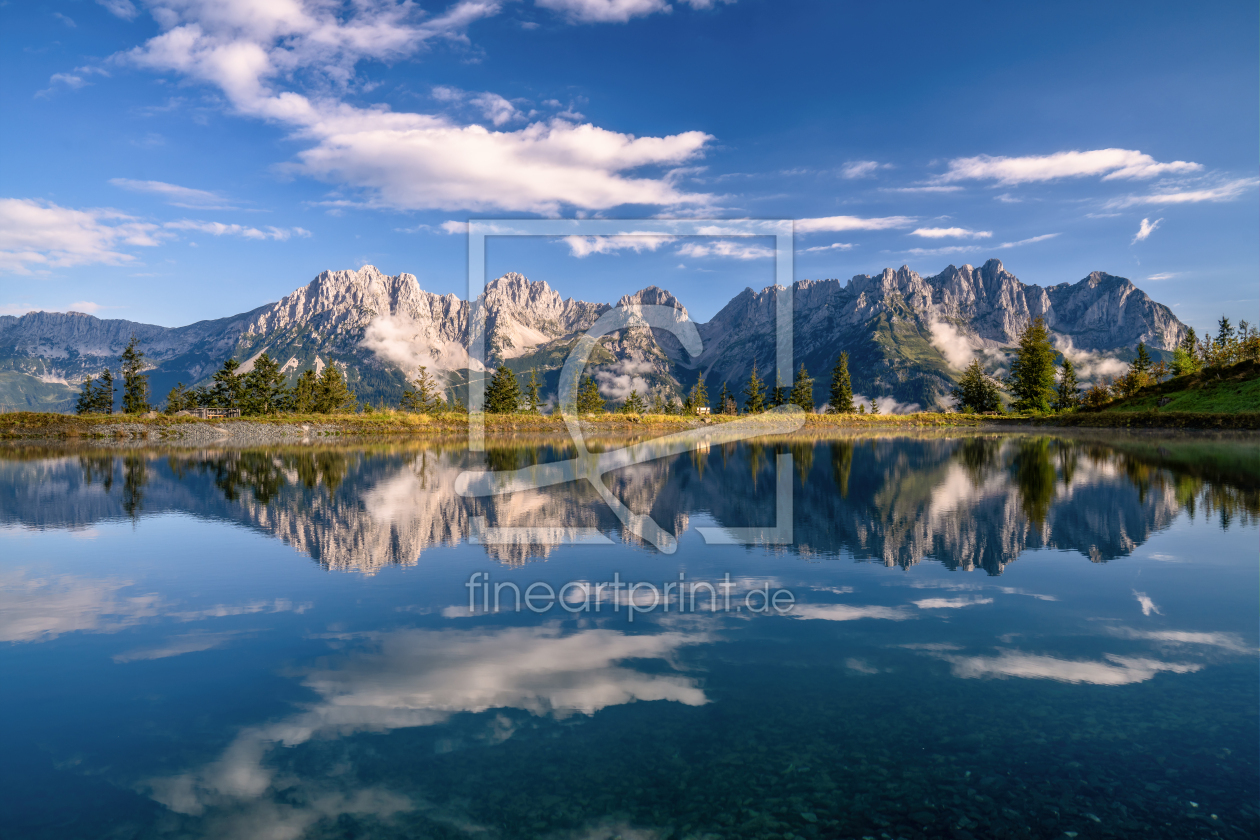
907	335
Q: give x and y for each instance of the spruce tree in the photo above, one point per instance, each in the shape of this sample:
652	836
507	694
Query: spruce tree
228	390
86	403
135	384
179	399
1031	380
533	393
841	401
634	404
976	391
754	393
104	402
779	394
699	395
588	399
874	406
803	390
862	408
658	404
422	394
263	389
1142	362
332	394
303	397
1068	394
722	398
504	394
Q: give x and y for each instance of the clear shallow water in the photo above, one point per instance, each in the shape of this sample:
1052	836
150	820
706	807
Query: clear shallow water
991	637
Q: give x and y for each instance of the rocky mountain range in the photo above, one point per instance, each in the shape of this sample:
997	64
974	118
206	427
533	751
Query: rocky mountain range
908	336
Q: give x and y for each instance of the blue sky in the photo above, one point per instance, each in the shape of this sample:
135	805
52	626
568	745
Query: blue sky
174	160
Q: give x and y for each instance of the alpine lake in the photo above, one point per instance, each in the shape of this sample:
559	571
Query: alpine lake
920	635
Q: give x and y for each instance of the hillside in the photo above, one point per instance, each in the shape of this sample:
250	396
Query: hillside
1233	390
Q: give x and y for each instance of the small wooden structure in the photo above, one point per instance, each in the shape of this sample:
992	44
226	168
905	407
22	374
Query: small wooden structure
703	409
213	413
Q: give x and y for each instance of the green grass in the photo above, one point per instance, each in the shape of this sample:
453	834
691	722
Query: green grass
1231	390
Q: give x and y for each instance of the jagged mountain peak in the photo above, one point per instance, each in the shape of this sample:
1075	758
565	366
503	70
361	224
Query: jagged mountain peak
652	296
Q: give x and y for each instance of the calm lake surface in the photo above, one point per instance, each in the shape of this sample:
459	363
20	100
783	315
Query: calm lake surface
989	636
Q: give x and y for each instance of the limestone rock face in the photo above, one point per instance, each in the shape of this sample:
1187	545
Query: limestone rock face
907	335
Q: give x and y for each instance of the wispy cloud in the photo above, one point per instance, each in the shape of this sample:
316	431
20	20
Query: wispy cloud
1029	241
835	246
1166	275
1111	164
725	248
1227	191
37	235
584	246
837	224
176	195
862	168
244	231
951	233
1144	230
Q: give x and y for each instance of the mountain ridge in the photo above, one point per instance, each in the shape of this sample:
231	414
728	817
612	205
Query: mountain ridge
907	335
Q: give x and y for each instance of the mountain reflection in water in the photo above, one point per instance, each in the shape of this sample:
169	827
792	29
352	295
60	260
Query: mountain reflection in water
972	502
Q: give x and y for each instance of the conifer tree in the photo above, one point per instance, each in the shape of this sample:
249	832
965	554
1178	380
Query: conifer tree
841	401
229	388
303	397
754	393
504	394
1142	362
1031	380
422	394
721	400
634	404
589	400
135	384
104	402
263	389
803	390
1068	394
976	391
332	394
699	395
659	405
862	409
86	403
874	406
533	393
180	399
779	394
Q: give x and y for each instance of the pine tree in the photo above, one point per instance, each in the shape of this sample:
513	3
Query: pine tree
332	395
533	393
422	394
228	389
1190	342
135	384
659	405
86	403
303	397
1068	395
862	409
588	399
104	401
874	406
634	404
699	395
841	401
1142	362
754	393
803	390
723	397
976	391
179	399
263	388
779	394
1031	380
504	394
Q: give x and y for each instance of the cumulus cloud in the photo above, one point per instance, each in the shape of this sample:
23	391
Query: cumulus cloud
887	405
584	246
951	233
1144	230
837	224
725	248
176	195
403	160
402	341
618	381
955	345
1227	191
1091	366
221	229
1111	164
37	235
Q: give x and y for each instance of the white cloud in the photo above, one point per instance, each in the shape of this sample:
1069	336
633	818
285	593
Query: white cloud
1115	671
1091	366
834	246
616	11
85	306
1144	230
1144	601
36	235
618	381
836	224
1223	192
124	9
950	603
951	233
221	229
926	188
1166	275
176	195
454	228
1030	240
955	346
725	248
862	168
403	160
1110	163
844	612
583	246
408	344
887	405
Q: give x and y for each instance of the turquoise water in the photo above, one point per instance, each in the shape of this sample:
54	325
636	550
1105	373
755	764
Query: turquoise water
990	637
